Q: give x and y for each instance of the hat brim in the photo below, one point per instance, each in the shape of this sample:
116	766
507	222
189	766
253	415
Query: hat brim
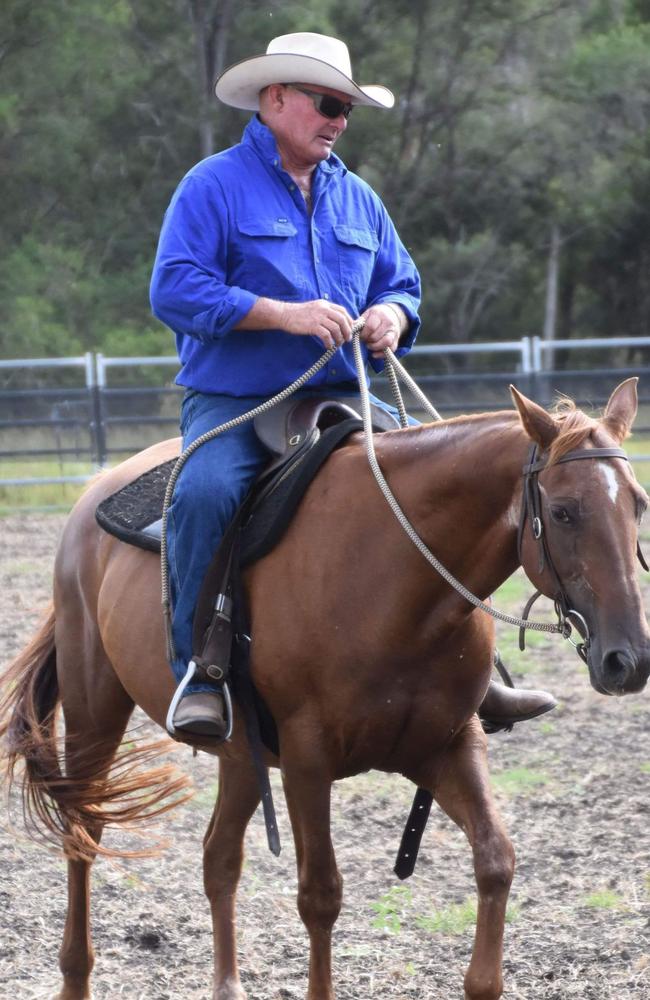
239	86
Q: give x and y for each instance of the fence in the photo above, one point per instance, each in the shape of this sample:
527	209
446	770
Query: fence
91	409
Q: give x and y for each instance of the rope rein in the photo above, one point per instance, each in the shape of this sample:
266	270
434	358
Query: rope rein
395	371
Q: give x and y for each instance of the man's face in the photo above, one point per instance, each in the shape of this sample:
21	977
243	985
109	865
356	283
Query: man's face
303	134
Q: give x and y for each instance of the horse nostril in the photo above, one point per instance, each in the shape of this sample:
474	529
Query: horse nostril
619	666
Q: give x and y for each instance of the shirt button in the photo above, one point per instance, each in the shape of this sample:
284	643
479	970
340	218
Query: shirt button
325	295
292	187
334	371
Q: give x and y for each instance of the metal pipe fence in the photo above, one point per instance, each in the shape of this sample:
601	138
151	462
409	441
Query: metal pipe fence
93	408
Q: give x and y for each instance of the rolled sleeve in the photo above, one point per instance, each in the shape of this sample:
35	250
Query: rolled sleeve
189	291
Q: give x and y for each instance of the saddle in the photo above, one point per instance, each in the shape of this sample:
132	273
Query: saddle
291	431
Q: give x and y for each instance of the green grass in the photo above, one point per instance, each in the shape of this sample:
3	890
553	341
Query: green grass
519	780
394	912
391	909
41	495
605	899
453	920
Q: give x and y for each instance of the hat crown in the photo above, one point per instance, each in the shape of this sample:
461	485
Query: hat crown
329	50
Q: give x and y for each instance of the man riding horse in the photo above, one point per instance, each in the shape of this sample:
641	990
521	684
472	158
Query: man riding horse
268	252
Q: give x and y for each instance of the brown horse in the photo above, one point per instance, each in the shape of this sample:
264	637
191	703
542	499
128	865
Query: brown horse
364	655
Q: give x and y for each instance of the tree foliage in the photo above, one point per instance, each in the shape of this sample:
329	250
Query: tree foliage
520	143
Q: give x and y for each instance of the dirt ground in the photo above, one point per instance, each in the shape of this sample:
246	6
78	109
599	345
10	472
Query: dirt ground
573	789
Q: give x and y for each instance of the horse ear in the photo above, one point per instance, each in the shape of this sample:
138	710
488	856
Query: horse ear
621	409
538	424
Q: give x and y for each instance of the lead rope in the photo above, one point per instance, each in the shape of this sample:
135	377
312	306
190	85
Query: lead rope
561	628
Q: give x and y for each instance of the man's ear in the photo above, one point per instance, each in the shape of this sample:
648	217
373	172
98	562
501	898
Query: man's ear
538	424
621	409
273	95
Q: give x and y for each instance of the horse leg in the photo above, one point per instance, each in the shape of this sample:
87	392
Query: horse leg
307	789
223	853
463	791
94	730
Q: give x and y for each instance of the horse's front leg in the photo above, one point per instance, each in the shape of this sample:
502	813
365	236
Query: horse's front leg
307	786
463	791
223	853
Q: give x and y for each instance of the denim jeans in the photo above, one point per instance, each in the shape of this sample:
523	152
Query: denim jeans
209	490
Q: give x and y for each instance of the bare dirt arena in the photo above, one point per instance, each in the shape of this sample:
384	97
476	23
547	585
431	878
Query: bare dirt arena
573	789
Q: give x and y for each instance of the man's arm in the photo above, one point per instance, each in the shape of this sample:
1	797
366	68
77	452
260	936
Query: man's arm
329	322
189	291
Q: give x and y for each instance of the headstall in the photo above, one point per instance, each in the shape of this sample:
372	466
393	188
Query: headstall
531	509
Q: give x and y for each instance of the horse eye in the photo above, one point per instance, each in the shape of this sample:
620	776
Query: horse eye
561	515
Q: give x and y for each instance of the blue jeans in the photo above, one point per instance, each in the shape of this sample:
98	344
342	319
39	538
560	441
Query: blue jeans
213	483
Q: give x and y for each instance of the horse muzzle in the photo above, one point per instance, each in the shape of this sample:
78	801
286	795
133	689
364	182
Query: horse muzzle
619	671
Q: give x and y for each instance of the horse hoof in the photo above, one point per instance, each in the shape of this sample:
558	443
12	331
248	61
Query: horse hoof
229	990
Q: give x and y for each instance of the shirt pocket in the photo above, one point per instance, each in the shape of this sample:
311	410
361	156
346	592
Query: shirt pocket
357	251
268	256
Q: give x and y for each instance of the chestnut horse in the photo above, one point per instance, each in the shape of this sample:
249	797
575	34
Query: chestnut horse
364	655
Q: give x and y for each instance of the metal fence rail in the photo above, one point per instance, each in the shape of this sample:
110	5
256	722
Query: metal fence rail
88	408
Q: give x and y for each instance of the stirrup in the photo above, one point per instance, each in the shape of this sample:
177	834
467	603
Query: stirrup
178	694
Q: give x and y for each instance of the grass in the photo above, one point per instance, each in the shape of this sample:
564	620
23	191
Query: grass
519	780
41	495
394	912
605	899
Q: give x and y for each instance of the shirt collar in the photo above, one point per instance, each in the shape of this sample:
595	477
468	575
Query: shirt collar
260	137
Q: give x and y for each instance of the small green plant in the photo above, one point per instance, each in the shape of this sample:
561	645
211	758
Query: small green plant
390	909
519	780
455	919
605	899
646	768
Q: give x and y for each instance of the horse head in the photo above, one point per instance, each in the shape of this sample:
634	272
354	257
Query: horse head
579	547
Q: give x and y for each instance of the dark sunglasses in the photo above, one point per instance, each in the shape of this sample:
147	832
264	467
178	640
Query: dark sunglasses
325	104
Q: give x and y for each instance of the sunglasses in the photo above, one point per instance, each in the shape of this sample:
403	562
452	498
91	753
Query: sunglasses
325	104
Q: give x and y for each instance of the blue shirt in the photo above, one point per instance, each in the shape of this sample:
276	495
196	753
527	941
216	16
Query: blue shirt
238	228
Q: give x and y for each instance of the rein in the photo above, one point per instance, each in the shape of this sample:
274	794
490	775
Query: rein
531	501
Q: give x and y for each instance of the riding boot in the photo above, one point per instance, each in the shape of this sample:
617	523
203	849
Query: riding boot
202	714
503	706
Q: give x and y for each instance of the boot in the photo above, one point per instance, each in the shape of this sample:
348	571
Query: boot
503	706
202	714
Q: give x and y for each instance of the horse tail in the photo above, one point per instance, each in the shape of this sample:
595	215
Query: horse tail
61	810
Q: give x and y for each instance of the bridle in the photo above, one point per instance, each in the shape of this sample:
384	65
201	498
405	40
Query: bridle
568	617
531	512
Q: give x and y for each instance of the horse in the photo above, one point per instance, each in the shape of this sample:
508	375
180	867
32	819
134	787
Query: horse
364	655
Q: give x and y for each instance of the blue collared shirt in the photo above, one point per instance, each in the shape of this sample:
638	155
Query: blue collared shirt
237	228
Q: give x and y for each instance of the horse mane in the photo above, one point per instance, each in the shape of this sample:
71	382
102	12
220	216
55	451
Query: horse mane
576	427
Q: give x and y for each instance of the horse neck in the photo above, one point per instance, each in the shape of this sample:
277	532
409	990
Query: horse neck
462	480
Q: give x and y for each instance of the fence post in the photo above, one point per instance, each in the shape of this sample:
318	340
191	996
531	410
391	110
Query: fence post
97	385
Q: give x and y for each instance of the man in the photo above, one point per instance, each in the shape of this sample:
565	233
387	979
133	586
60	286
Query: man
268	253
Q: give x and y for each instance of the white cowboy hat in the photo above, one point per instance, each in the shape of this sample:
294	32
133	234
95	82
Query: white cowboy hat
302	57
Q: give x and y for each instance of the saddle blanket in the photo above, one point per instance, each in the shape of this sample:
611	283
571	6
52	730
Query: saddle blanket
134	513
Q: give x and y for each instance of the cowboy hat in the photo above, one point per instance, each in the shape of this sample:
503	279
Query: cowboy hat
302	57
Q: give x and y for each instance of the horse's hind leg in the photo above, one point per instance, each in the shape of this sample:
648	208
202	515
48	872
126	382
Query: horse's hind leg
96	719
223	853
463	791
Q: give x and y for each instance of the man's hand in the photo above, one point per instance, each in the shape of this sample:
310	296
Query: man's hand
383	328
331	323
